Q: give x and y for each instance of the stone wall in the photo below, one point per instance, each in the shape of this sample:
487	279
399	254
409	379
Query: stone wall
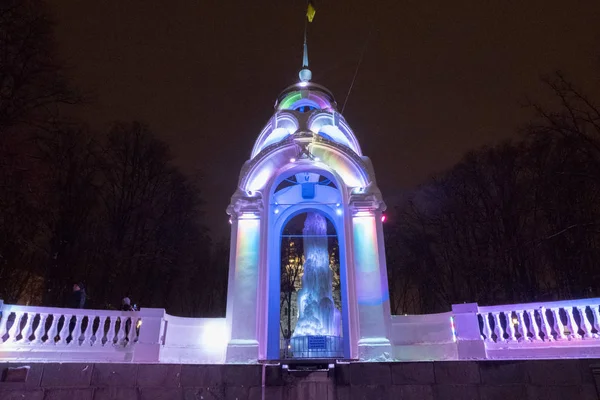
548	380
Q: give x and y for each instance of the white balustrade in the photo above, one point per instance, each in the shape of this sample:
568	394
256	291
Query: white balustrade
63	329
39	331
558	325
28	327
55	333
546	325
587	327
573	328
76	332
53	330
522	326
15	329
120	332
596	314
498	328
111	334
545	328
89	331
512	332
3	325
99	336
534	330
488	327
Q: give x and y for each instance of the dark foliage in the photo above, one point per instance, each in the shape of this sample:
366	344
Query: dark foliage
514	223
109	210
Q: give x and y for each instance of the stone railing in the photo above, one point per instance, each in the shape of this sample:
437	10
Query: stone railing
564	329
67	334
550	321
561	329
145	336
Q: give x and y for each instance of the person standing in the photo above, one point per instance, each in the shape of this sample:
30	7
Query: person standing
126	304
78	296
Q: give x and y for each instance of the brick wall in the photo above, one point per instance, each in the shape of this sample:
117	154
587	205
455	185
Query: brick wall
482	380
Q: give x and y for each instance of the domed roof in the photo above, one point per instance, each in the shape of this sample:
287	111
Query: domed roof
306	94
302	108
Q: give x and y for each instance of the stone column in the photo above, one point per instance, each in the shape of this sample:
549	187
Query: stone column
242	294
469	342
152	335
371	295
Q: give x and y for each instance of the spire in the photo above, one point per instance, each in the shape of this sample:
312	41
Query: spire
305	73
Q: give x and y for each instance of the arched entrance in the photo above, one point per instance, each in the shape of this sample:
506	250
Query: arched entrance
311	304
307	214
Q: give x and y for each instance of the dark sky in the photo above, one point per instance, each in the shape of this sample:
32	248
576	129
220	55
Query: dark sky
438	78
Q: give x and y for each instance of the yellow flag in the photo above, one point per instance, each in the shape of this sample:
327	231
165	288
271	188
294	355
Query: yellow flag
310	11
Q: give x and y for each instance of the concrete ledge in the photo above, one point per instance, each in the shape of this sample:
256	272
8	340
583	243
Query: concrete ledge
481	380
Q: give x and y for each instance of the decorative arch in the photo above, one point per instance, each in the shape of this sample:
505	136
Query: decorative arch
279	127
275	224
352	170
332	126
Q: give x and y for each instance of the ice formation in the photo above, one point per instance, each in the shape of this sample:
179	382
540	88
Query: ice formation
317	313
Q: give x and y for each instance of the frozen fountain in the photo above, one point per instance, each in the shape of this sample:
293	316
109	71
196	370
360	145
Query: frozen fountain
317	332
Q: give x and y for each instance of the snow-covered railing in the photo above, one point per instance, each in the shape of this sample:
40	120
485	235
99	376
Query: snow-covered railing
535	322
146	336
68	334
67	327
558	329
561	329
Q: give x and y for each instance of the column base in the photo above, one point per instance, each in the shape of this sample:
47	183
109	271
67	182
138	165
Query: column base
374	349
146	353
241	351
471	350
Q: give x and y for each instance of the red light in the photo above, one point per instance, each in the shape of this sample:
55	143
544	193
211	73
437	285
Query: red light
383	218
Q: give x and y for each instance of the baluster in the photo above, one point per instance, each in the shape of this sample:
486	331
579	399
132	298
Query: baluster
27	330
40	330
134	328
498	329
3	324
127	330
63	331
15	329
596	319
587	327
522	327
110	335
546	325
488	327
510	323
534	326
572	323
120	334
53	329
98	336
76	333
89	330
558	325
482	334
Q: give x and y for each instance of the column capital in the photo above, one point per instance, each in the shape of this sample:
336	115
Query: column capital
366	202
243	204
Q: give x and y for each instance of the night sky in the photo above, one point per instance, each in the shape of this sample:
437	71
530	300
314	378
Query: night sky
438	78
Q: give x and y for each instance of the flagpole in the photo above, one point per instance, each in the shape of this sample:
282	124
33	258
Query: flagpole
305	74
305	55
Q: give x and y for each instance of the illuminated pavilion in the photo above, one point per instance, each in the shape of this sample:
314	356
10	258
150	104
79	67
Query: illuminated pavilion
307	142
